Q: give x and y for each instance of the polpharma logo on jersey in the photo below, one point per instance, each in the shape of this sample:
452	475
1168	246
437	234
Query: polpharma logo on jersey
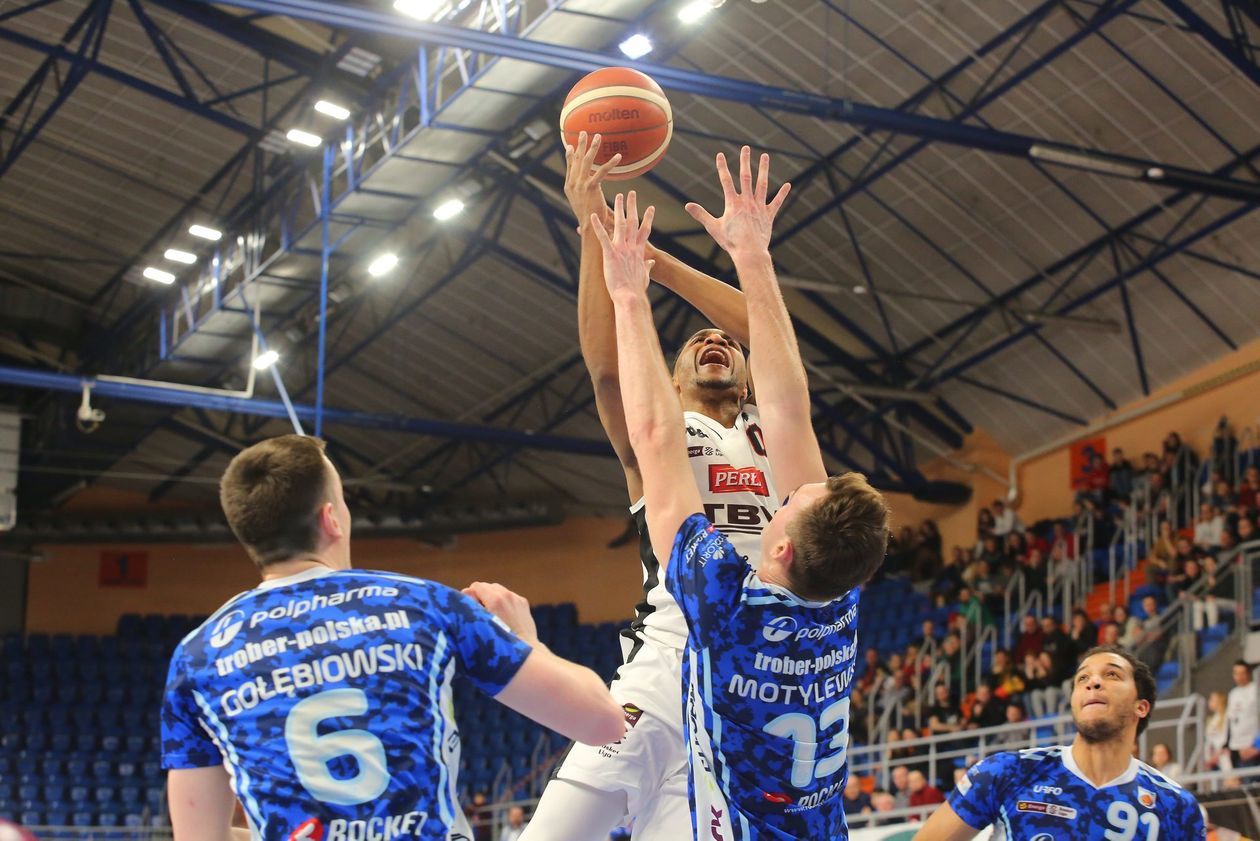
779	629
226	629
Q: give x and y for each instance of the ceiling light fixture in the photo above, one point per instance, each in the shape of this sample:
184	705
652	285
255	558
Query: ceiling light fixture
382	264
205	233
266	359
185	257
448	209
159	276
332	109
636	46
305	138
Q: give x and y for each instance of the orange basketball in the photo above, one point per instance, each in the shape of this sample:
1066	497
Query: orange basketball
629	110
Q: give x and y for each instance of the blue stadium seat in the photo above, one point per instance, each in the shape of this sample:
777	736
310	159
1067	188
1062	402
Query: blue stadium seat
31	818
83	818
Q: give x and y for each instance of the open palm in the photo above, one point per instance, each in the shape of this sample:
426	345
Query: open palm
746	222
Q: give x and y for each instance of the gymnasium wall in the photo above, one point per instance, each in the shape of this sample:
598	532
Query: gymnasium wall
568	562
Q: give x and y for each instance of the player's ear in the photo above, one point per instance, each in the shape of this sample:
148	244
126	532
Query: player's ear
328	524
1143	708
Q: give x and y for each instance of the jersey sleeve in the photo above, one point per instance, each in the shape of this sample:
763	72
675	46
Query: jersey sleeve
978	796
488	651
705	576
185	743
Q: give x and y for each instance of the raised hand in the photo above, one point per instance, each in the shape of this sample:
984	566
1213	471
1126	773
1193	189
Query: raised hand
746	222
584	181
625	268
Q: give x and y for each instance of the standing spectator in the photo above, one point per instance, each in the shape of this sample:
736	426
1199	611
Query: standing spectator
1063	541
1216	735
1120	476
1030	639
923	793
856	801
1097	480
1162	761
1036	576
1203	608
478	813
1083	632
1244	718
1005	520
1208	528
928	555
1224	449
928	639
515	824
1151	643
1246	530
1223	496
951	653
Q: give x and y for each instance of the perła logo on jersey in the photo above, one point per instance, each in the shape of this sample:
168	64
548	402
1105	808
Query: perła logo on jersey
724	479
779	629
226	629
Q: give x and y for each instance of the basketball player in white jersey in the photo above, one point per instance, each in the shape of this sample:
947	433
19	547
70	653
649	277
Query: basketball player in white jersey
643	777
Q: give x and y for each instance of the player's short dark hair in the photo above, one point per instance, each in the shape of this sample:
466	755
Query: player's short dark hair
840	542
1143	678
271	494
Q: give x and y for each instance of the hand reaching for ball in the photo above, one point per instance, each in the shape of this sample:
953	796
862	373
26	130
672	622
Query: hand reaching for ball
584	181
747	219
625	268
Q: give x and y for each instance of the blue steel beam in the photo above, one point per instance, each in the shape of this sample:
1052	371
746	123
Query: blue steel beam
168	396
737	90
135	82
94	18
1223	45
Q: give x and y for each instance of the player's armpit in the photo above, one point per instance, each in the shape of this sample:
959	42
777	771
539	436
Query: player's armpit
565	697
945	825
719	302
201	804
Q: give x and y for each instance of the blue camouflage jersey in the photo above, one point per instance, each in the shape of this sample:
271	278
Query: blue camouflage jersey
766	696
327	696
1040	794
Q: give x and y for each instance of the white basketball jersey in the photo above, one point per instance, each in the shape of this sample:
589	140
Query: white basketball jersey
739	497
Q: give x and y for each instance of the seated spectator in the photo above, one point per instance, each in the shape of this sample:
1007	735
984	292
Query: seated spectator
1014	715
1208	527
972	609
943	716
869	669
1016	546
928	634
913	756
1119	476
1059	646
951	653
1223	496
1082	632
1042	692
1246	530
1162	555
856	801
923	793
883	801
1248	490
990	554
1161	760
1096	480
1204	610
1030	639
986	711
900	787
516	824
1130	627
859	717
1005	520
1003	678
1244	718
1216	735
1142	477
950	576
1063	540
1109	634
984	528
1224	449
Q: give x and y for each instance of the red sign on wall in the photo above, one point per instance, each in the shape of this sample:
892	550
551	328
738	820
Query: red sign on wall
124	569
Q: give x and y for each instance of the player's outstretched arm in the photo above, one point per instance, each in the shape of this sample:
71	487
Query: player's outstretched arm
743	231
570	699
201	803
945	825
651	403
583	186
